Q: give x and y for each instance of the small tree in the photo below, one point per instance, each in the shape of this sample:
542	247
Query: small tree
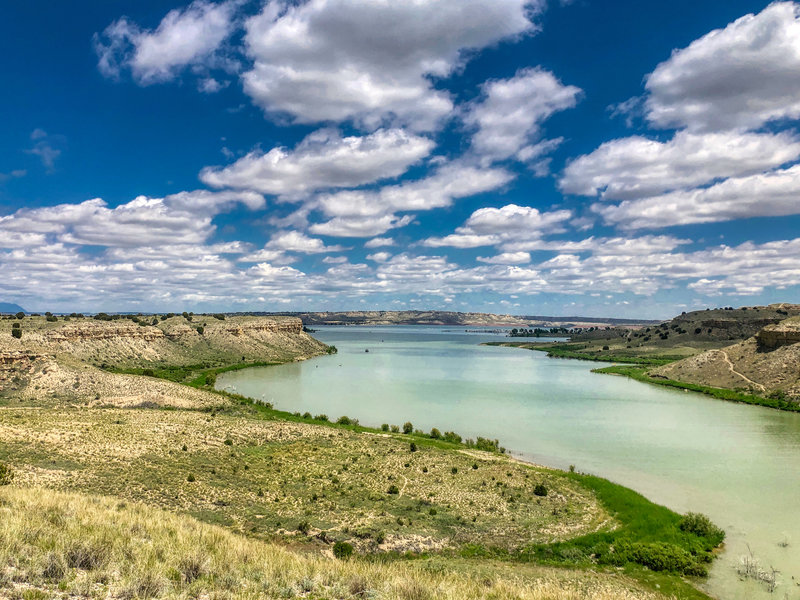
413	447
435	433
408	427
16	332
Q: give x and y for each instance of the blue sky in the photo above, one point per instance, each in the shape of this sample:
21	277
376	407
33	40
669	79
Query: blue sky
516	156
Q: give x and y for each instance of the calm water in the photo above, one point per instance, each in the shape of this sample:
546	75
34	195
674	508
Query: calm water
738	464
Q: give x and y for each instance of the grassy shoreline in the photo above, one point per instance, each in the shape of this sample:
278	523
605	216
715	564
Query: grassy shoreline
636	368
644	524
649	545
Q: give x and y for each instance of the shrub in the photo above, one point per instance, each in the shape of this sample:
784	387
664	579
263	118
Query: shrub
413	447
657	556
454	470
200	329
395	429
17	332
331	350
701	526
342	550
51	318
385	427
432	512
6	474
306	415
304	527
86	555
540	490
452	436
344	420
228	442
408	427
20	315
219	316
393	489
191	478
435	433
322	417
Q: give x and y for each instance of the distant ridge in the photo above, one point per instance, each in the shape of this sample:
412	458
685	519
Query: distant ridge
437	317
8	307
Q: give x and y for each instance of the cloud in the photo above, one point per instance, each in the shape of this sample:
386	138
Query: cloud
492	226
323	160
15	174
379	257
370	61
506	258
379	242
183	218
772	194
366	213
46	148
636	167
187	36
739	77
508	117
295	241
353	226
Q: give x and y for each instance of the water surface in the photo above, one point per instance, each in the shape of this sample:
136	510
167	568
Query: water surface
739	464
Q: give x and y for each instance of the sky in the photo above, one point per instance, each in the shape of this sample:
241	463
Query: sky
532	157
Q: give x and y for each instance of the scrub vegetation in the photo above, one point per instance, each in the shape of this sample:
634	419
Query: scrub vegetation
199	493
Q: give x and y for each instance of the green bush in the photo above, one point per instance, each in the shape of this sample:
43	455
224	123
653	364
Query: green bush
200	329
304	527
395	429
452	436
657	556
435	433
342	550
393	489
701	526
191	478
385	427
344	420
408	427
6	474
540	490
413	447
17	333
322	417
307	415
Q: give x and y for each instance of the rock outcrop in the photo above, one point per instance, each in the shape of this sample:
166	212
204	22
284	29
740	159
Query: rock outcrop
785	333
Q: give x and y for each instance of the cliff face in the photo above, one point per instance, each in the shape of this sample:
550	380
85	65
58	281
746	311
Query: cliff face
785	333
175	341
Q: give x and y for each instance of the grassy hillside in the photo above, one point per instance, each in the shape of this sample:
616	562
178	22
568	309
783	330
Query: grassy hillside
68	545
425	517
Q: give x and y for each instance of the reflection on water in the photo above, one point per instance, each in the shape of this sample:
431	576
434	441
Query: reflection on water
738	464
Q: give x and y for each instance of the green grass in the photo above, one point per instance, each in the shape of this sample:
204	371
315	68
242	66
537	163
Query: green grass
640	374
574	351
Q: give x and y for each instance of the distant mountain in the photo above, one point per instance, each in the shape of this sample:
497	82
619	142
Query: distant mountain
8	307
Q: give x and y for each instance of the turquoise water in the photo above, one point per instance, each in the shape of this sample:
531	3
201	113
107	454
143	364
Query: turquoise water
739	464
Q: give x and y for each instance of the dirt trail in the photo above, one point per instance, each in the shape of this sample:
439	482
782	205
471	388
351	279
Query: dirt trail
403	489
735	372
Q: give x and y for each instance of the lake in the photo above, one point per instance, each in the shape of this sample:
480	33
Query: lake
739	464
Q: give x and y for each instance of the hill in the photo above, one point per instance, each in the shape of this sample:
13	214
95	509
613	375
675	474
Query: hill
767	364
139	479
435	317
9	308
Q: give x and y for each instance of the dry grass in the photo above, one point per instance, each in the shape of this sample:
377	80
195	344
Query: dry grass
57	545
275	474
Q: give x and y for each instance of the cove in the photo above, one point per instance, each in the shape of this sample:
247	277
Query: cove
739	464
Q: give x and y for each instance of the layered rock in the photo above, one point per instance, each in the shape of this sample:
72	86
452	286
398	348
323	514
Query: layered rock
784	333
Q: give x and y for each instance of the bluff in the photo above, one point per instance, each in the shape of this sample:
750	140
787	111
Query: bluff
152	342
